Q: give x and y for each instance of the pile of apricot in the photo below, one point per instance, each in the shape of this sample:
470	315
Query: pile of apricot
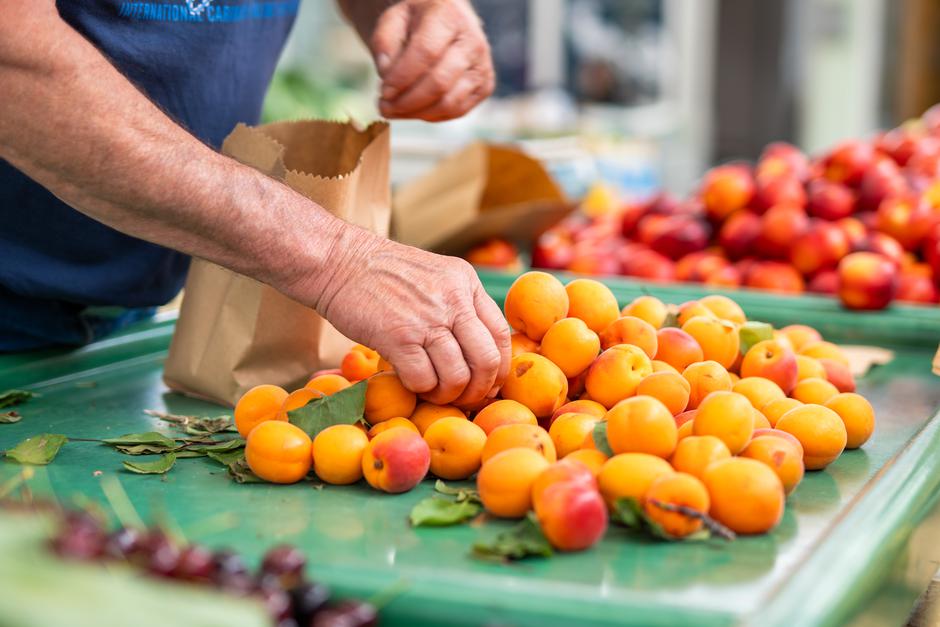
691	420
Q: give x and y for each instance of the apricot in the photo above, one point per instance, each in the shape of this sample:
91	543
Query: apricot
391	423
456	447
387	398
760	420
647	308
691	309
724	308
857	415
257	405
807	367
337	454
505	481
630	475
774	409
677	348
727	416
328	383
384	365
758	390
670	388
746	496
426	414
838	374
592	302
519	436
592	459
684	431
535	301
521	343
686	416
396	460
296	400
571	346
771	360
562	471
820	431
616	373
777	433
633	331
719	339
641	424
278	451
705	377
537	383
800	335
780	456
824	350
679	489
694	453
359	363
572	516
592	408
661	366
503	412
569	431
813	390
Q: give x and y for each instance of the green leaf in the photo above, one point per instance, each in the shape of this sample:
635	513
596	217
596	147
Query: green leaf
523	540
241	473
39	449
218	447
753	332
10	398
144	449
462	494
226	457
184	453
345	407
10	417
150	437
435	511
156	467
600	438
672	318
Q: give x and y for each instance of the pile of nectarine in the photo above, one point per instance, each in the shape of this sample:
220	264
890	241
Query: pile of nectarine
690	411
861	221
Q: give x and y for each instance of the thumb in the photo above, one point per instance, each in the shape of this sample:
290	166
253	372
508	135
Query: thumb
389	36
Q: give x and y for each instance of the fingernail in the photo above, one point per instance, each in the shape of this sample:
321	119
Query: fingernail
382	61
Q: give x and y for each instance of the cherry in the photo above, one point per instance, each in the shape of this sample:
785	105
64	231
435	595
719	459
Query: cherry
123	543
346	614
195	563
162	554
308	598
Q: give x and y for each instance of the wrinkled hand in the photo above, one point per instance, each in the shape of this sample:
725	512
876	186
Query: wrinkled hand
427	314
433	59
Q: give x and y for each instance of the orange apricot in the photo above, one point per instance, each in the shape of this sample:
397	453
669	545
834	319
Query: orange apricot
641	424
758	390
705	377
396	460
771	360
813	390
535	301
616	373
359	363
456	447
727	416
537	383
328	383
426	414
337	454
257	405
630	475
807	367
505	481
571	346
519	436
296	400
521	343
670	388
774	409
677	348
858	416
780	456
661	366
800	335
760	420
592	302
591	458
724	308
691	309
838	374
694	454
719	339
391	423
592	408
387	398
569	431
503	412
562	471
572	516
684	431
820	431
278	451
647	308
633	331
824	350
679	489
746	496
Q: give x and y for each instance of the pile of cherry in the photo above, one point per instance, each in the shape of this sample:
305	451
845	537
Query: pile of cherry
280	583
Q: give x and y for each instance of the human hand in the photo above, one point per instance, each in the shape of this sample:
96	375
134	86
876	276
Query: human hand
433	59
427	314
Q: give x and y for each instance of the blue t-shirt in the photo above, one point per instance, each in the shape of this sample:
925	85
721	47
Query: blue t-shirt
207	64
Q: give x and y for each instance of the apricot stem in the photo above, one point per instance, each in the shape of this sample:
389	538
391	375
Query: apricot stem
713	525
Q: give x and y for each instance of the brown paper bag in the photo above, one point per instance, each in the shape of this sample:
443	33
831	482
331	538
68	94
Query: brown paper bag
481	192
233	332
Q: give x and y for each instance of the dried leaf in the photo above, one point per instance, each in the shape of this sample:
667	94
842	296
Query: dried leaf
195	425
39	449
157	467
523	540
241	473
11	398
218	447
10	417
438	512
344	407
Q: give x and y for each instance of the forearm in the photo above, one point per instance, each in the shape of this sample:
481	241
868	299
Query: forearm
73	123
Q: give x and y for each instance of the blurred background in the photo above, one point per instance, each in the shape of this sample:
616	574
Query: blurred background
643	94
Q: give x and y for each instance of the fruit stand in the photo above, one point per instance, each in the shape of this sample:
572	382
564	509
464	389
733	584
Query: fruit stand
855	540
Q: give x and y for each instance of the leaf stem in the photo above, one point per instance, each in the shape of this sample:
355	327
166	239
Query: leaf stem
713	525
